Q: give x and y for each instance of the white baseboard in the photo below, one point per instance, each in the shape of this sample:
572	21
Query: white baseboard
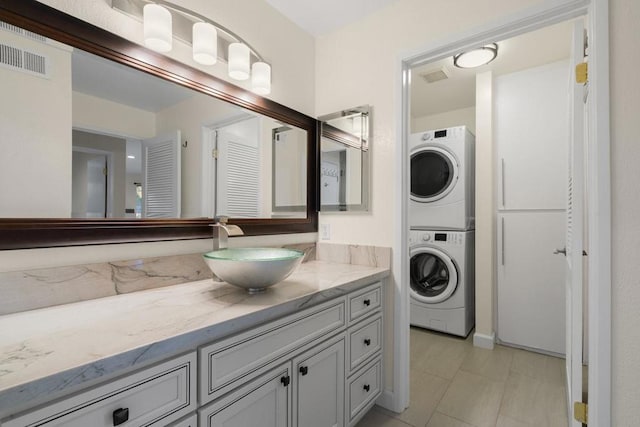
386	401
484	341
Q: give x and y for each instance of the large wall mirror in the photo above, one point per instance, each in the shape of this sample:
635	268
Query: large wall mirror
345	160
104	141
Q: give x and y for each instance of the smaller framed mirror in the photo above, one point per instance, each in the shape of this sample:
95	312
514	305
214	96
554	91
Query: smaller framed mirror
345	146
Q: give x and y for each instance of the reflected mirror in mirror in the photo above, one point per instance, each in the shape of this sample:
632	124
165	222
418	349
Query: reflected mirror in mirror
85	137
344	160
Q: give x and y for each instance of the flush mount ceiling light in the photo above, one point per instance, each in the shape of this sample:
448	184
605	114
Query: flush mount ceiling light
476	57
163	21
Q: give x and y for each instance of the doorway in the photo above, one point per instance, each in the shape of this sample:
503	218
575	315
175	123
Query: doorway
598	141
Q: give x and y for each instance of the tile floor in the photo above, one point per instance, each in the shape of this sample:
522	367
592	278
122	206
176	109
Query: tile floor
454	384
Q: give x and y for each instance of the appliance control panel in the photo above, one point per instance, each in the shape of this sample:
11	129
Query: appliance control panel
441	135
444	237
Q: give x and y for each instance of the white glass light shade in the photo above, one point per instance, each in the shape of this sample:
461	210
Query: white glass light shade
205	43
239	57
157	28
261	78
476	57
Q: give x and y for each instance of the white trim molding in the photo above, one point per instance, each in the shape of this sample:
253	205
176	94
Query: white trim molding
484	341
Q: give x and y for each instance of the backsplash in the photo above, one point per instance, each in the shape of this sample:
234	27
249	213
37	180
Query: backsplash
32	289
372	256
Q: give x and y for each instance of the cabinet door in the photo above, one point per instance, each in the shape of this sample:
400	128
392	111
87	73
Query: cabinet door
531	134
531	296
319	389
264	402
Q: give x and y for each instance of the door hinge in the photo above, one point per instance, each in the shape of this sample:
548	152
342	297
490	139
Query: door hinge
105	171
580	412
214	153
582	73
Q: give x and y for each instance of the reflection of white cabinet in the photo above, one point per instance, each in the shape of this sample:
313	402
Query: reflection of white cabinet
531	293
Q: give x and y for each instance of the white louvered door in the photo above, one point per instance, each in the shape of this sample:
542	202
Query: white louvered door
161	176
238	175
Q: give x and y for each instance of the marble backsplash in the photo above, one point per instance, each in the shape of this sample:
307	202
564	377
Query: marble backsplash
32	289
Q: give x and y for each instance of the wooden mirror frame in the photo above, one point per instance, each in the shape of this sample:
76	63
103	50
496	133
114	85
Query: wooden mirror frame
25	233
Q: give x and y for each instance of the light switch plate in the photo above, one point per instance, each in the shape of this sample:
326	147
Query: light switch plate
325	231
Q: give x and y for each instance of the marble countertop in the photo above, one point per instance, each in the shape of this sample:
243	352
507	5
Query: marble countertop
58	350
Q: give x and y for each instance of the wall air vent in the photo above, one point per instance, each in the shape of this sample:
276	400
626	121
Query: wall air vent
24	61
432	76
18	30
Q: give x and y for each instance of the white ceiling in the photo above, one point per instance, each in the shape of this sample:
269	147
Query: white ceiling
109	80
458	91
318	17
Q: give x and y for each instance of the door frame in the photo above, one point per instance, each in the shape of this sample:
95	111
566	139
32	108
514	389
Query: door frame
599	186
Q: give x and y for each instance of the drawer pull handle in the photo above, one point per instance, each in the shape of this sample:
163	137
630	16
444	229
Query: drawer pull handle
304	370
120	416
367	342
367	387
367	302
285	380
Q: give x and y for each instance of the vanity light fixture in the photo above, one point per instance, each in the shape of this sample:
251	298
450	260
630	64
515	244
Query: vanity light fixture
476	57
210	41
158	34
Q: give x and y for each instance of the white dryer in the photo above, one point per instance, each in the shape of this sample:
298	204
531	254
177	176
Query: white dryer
442	280
442	179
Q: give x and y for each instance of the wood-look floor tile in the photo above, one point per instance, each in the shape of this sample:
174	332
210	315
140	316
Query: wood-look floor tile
426	392
439	355
504	421
539	366
473	399
441	420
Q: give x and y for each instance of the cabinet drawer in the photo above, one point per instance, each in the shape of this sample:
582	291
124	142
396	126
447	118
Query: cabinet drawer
365	302
364	388
155	396
223	362
364	341
190	421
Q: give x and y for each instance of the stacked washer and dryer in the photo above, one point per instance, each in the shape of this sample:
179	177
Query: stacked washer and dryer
441	236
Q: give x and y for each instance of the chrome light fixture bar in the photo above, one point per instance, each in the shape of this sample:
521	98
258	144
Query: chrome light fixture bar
210	41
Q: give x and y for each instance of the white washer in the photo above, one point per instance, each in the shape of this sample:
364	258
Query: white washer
442	280
442	179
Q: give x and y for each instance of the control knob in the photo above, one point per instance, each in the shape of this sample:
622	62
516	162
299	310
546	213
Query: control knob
426	237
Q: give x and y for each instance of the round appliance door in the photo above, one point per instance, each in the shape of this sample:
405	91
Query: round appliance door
433	275
434	173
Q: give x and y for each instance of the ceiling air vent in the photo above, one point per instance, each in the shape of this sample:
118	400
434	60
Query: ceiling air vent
24	61
433	76
18	30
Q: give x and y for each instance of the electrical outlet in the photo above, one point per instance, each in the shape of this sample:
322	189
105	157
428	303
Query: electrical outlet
325	231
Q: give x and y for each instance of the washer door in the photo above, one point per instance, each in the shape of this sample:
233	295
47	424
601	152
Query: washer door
433	275
434	173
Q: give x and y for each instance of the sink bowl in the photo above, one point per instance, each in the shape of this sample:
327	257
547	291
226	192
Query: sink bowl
253	269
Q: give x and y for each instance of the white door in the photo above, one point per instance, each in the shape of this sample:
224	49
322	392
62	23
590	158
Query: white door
319	389
89	189
161	176
329	183
574	238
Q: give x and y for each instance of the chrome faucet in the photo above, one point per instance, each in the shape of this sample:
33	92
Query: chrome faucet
222	231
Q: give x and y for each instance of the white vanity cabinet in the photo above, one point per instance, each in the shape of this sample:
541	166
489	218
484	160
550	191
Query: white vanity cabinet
157	396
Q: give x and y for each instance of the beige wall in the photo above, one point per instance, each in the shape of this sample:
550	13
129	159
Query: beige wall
460	117
625	175
35	135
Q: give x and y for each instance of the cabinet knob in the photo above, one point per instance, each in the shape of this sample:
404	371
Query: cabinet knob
367	302
285	380
366	388
120	416
304	370
367	342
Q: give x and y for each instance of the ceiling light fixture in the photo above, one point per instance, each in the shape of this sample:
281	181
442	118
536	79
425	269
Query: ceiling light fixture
476	57
210	41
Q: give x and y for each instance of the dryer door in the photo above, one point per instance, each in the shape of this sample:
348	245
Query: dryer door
433	275
434	173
